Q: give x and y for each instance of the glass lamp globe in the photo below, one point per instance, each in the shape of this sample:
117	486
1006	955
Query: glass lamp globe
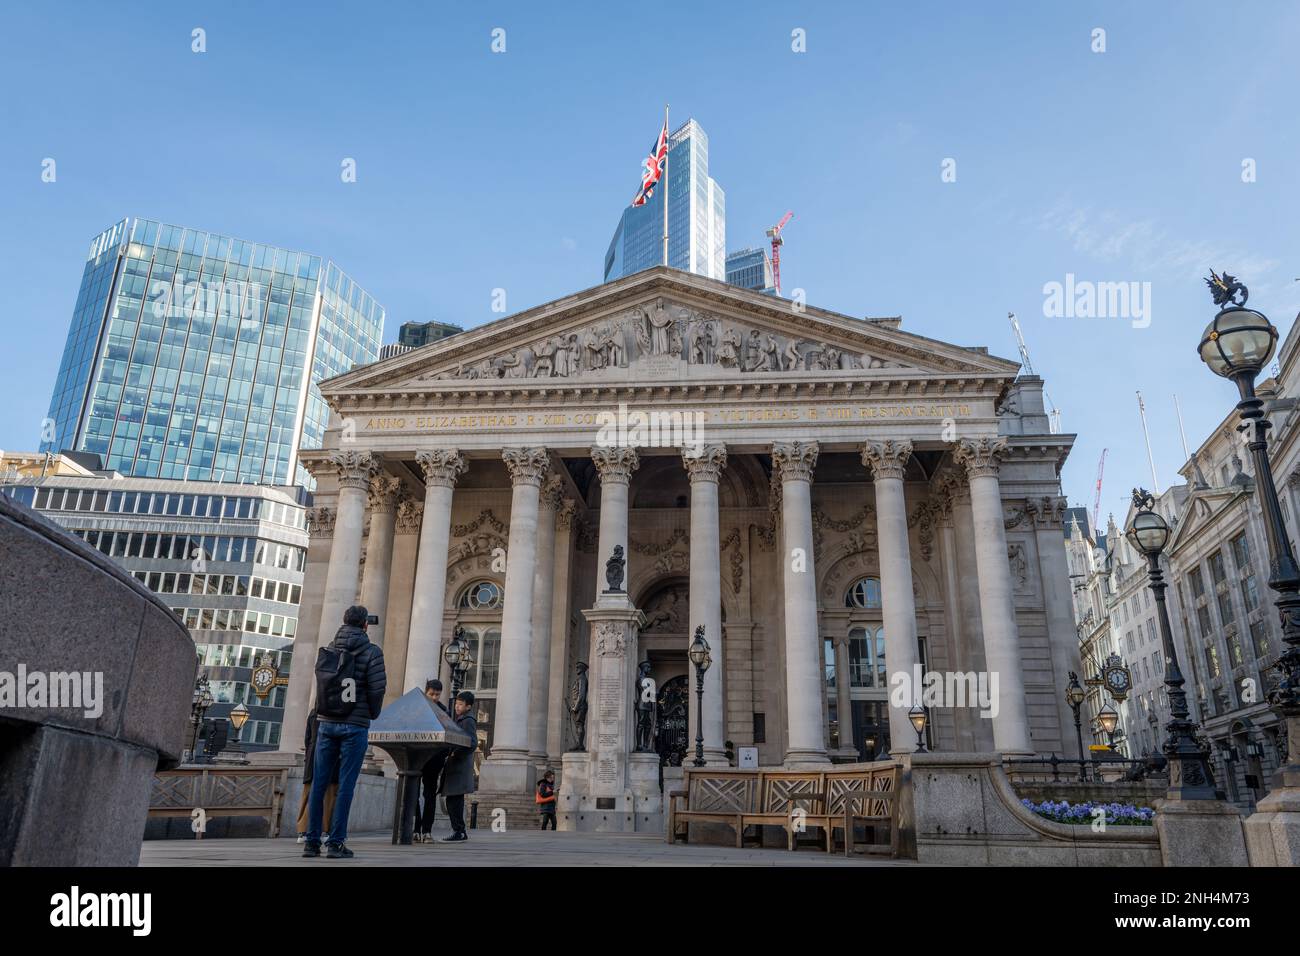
699	652
1075	694
1108	719
1149	532
1238	341
239	716
453	651
917	716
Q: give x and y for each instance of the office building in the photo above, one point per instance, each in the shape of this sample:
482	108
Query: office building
415	334
196	356
751	269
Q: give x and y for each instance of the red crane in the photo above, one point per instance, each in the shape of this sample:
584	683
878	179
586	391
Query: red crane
775	235
1096	502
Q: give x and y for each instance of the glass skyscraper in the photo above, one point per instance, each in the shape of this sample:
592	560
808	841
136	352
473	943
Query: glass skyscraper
697	219
751	269
197	356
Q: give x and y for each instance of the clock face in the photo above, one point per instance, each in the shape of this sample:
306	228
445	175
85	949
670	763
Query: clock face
1117	679
262	677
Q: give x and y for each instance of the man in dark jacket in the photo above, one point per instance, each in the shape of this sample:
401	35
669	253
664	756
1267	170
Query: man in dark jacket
458	773
432	770
341	739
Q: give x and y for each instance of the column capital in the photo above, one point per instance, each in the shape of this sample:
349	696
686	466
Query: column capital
980	456
796	460
526	465
441	466
706	463
383	492
354	469
552	493
886	459
615	463
409	515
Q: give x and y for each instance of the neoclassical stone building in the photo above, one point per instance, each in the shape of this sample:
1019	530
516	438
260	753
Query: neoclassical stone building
834	499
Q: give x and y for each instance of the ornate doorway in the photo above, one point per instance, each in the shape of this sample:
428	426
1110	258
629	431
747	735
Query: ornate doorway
671	714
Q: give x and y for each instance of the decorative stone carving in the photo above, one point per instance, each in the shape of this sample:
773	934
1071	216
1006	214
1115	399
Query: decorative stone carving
552	495
383	492
981	456
668	611
923	519
737	558
566	514
796	460
410	513
610	639
441	466
678	536
707	464
354	468
1019	565
887	459
526	465
320	521
615	463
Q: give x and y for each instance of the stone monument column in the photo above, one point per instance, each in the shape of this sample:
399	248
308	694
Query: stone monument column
354	469
557	712
704	469
543	601
997	612
508	769
383	492
843	698
441	467
615	465
806	719
887	461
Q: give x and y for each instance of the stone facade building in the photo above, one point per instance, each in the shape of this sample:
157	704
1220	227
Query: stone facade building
821	493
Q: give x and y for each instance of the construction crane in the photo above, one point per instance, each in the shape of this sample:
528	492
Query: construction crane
777	242
1054	414
1096	501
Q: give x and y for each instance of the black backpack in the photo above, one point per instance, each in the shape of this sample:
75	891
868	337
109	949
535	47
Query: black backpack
333	667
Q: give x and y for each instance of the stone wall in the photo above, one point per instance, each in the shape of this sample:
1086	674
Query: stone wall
74	784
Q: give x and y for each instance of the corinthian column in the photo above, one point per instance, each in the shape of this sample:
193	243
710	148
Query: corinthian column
543	600
441	467
353	469
383	492
508	769
704	470
887	460
805	713
615	465
997	612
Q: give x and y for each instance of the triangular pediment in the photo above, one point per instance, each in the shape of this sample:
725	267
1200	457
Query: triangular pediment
663	326
1203	508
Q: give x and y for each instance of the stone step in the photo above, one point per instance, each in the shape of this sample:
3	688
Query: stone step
520	808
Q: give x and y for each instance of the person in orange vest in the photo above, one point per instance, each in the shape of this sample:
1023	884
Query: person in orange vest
546	799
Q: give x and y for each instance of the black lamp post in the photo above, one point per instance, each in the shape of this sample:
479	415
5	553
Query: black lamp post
1190	776
699	655
917	716
1236	345
1074	696
460	658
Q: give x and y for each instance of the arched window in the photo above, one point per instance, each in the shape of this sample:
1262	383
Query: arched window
865	594
481	596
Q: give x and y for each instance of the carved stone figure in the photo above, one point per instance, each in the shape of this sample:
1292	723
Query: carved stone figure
593	351
511	366
645	709
560	359
729	349
544	353
660	324
771	356
614	570
612	345
578	706
793	357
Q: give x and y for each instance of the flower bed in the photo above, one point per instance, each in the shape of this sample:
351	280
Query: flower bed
1083	814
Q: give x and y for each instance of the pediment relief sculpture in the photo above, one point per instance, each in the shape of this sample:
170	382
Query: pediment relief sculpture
661	332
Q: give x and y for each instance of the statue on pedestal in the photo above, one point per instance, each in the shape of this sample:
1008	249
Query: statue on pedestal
578	706
614	570
645	709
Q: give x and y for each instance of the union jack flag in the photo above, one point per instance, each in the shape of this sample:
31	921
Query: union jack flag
652	168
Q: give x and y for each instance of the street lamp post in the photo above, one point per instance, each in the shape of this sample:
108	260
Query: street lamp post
459	658
699	655
238	717
1108	720
917	716
199	704
1074	696
1236	345
1190	776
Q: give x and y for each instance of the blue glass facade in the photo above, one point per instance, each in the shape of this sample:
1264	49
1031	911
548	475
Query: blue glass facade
750	269
696	217
197	356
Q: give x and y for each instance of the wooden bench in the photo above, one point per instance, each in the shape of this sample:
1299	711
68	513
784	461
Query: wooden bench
829	800
220	792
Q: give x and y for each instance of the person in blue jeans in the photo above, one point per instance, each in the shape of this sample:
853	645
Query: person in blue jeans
343	730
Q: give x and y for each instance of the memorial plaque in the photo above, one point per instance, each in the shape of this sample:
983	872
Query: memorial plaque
609	701
607	770
605	803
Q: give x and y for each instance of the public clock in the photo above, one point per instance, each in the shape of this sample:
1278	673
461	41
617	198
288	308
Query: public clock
263	678
1117	678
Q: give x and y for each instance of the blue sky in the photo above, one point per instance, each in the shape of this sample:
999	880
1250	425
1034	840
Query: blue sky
479	170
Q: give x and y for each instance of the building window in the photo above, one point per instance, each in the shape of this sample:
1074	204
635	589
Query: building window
1259	637
1218	570
1198	584
481	596
865	594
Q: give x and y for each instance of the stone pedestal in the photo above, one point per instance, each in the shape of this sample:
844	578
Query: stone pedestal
1200	833
610	788
1273	830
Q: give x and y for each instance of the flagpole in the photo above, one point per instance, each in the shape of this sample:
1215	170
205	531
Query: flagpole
665	184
